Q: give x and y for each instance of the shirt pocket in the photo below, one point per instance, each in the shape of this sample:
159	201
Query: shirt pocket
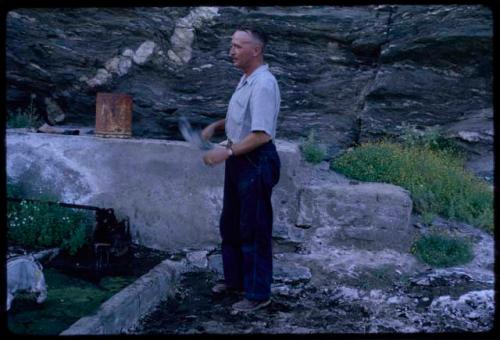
238	109
242	102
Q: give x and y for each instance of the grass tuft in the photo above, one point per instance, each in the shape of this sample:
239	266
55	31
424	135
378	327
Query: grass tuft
313	153
27	118
441	250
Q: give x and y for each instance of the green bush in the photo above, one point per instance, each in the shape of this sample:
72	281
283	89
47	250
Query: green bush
313	153
430	138
441	250
436	179
42	225
27	118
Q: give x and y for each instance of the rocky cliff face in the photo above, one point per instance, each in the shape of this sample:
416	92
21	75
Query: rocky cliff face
350	73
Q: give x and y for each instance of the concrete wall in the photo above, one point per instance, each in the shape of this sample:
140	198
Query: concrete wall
172	199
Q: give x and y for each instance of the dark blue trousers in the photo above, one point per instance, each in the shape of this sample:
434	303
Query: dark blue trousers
247	220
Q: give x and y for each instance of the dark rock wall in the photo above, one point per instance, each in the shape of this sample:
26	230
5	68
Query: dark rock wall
350	73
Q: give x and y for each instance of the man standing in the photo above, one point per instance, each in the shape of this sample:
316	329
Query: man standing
252	170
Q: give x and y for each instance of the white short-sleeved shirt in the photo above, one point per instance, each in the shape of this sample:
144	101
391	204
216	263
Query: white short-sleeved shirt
254	105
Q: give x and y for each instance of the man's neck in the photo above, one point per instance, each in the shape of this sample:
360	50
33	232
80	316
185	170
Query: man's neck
253	67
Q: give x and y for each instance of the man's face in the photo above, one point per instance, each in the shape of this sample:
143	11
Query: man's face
243	49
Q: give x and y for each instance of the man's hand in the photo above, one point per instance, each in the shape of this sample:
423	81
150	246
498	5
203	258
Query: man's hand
215	156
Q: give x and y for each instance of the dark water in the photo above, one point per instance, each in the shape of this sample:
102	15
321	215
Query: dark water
68	299
136	262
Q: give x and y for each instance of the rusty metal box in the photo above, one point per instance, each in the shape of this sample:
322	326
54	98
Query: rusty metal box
113	115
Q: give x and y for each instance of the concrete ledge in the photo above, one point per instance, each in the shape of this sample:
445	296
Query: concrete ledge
172	199
124	309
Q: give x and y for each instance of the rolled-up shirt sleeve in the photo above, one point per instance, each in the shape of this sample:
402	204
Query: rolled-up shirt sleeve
264	106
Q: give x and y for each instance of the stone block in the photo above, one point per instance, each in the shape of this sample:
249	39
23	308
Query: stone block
373	216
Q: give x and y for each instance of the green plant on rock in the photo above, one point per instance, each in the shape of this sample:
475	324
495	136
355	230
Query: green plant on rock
442	250
430	138
428	217
437	181
24	118
313	153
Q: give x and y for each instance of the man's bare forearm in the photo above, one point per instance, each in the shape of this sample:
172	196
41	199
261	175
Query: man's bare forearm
250	142
219	125
209	131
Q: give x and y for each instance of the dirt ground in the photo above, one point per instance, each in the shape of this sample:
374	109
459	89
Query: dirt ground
304	309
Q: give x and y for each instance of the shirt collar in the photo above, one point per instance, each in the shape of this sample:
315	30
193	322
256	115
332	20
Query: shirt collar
245	79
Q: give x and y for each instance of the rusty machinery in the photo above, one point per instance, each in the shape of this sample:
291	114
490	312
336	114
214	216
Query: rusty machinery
109	236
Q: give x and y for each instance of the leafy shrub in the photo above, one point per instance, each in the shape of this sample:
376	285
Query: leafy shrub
313	153
441	250
27	118
430	138
436	180
41	225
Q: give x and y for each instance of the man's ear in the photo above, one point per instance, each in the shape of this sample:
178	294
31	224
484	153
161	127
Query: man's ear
257	50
